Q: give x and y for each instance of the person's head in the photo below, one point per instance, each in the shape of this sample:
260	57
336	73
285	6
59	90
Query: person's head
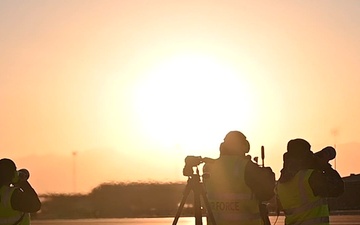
235	143
298	157
299	150
7	171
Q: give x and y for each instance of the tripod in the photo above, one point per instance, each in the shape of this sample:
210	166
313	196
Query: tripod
194	184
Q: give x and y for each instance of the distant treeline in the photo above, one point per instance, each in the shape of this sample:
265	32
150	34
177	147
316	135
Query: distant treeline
118	200
137	200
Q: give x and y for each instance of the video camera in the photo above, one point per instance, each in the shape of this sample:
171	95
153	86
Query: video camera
21	175
328	153
321	158
194	161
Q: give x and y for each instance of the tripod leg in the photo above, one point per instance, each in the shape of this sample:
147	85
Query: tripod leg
197	207
182	203
208	206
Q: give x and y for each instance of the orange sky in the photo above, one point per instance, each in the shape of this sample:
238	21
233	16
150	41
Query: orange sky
133	87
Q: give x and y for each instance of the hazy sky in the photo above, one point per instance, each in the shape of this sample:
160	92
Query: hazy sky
133	87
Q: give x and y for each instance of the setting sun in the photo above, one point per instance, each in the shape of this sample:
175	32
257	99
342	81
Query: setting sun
184	101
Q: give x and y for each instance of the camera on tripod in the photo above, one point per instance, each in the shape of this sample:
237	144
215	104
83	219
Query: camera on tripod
190	163
194	161
195	185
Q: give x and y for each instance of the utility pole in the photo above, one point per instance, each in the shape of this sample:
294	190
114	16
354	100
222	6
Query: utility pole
334	133
74	153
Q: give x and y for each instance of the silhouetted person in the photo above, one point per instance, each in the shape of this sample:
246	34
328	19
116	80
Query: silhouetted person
306	180
18	198
236	185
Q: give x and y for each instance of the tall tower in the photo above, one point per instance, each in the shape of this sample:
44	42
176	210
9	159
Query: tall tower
74	154
334	133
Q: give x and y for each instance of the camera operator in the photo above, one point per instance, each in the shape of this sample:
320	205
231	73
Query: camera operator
306	180
236	185
18	198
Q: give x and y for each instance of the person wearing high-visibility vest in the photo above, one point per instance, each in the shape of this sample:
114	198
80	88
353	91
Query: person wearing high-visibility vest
17	197
235	185
306	180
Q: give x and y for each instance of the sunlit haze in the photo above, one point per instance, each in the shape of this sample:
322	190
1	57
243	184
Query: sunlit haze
122	91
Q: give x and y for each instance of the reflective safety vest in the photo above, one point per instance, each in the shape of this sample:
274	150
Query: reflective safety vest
9	216
232	201
300	205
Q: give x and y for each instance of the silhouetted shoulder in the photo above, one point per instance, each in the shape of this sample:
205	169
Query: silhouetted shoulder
25	200
326	183
261	180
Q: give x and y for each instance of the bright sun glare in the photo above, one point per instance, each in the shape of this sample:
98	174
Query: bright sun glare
192	100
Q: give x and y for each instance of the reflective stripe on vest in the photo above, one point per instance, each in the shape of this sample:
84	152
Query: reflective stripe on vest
314	221
306	209
232	196
10	221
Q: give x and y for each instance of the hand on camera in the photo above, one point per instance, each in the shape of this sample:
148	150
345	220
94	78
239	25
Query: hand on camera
321	164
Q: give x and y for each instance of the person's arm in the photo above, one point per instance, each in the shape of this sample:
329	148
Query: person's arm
261	181
326	182
25	199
